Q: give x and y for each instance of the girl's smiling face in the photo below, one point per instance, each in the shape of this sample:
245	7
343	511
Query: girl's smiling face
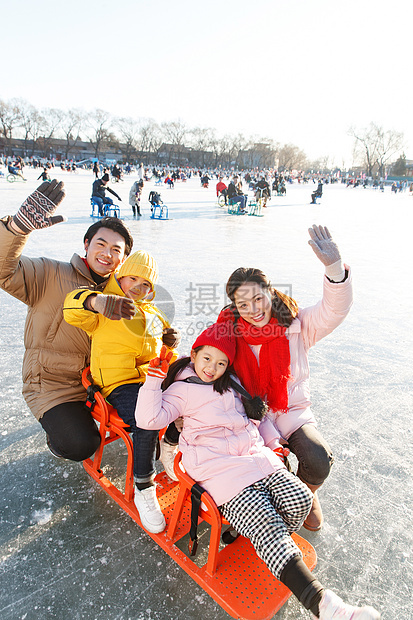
253	303
209	362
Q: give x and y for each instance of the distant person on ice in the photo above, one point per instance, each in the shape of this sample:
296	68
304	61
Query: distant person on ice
135	194
99	189
318	193
222	189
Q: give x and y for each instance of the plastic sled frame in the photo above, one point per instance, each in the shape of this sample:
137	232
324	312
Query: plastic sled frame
234	577
234	208
159	212
109	210
255	209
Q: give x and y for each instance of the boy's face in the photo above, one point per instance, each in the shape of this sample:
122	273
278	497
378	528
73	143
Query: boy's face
134	287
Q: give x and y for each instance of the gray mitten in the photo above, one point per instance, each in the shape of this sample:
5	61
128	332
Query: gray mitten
37	210
323	245
114	307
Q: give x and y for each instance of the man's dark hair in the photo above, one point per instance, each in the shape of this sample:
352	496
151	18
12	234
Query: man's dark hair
115	224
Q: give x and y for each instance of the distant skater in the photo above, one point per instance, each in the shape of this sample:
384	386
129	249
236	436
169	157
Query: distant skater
318	193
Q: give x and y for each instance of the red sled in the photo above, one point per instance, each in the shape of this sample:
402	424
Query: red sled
234	576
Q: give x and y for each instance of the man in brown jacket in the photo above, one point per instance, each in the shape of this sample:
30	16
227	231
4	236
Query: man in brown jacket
56	353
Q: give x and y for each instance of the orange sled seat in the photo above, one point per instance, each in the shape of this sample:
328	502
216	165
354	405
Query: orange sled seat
235	577
111	428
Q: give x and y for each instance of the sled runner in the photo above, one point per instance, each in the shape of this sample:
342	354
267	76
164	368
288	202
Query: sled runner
233	576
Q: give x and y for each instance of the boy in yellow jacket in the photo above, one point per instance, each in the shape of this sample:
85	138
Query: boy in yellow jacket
126	332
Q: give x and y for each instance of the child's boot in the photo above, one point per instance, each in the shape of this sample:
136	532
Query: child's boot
149	510
167	458
333	608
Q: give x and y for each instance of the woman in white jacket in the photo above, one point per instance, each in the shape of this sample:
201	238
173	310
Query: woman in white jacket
223	450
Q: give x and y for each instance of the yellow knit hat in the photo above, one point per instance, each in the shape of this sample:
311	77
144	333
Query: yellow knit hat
141	264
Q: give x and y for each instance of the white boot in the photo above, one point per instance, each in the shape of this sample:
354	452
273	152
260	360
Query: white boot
149	510
167	457
333	608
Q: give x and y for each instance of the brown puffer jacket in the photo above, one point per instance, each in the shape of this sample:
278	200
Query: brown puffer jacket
56	352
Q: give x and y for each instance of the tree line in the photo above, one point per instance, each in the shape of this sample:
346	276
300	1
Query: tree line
139	139
376	147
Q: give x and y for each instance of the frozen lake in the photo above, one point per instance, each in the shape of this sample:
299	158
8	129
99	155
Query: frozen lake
69	552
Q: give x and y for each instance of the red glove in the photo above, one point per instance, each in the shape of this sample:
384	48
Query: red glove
158	367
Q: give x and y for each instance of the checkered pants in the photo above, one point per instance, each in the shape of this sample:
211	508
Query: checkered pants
267	512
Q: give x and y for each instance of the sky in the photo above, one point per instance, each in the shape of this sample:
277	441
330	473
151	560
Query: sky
296	71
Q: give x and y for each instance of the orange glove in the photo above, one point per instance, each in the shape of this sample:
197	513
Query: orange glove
159	366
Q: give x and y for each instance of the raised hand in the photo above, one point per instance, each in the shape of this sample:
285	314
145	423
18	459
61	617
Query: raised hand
158	367
37	210
113	307
323	245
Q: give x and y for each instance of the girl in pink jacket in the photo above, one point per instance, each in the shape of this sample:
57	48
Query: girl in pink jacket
223	450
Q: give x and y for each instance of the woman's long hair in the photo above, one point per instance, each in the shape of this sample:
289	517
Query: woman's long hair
284	308
221	385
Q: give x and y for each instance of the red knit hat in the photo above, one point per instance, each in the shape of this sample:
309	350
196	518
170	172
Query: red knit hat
220	336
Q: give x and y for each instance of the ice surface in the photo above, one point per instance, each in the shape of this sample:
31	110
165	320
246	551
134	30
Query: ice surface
69	552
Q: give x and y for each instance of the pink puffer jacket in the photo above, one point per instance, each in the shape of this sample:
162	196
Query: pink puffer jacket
311	325
221	448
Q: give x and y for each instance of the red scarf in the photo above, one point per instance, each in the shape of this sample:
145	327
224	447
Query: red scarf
268	378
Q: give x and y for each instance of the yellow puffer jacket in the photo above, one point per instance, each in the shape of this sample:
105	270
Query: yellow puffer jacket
120	350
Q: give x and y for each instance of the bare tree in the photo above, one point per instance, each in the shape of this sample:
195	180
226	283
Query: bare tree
51	119
174	133
128	129
237	143
201	141
376	146
149	139
389	144
99	122
71	125
31	125
322	164
10	120
219	147
365	146
291	157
